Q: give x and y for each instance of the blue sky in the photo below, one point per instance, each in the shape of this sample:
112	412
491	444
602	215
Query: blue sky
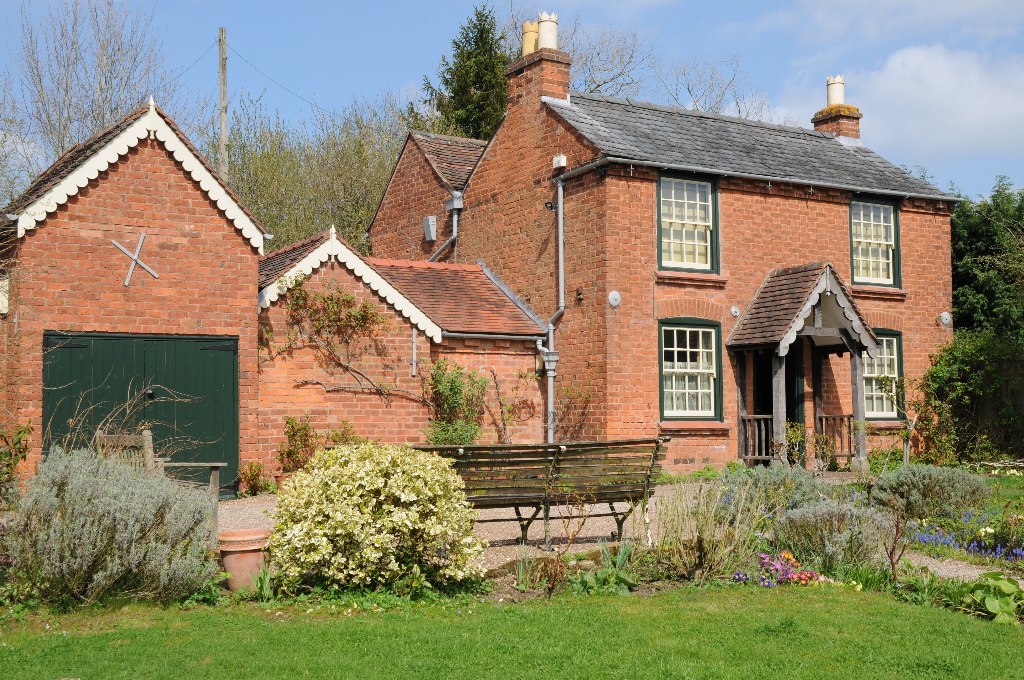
940	82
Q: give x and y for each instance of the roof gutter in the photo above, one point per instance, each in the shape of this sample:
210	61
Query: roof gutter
606	160
491	336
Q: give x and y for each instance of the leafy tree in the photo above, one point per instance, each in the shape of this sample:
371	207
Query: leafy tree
988	261
471	92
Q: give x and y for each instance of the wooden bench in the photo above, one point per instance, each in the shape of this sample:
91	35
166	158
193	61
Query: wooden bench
538	477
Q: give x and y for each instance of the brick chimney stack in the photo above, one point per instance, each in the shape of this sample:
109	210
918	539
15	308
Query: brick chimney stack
838	117
543	70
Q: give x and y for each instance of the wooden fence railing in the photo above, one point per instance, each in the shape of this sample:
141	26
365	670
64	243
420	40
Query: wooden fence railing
834	437
758	438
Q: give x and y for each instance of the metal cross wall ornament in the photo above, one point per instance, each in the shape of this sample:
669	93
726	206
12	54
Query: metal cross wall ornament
135	259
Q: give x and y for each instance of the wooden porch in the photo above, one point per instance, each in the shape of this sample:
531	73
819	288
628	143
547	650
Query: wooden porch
798	312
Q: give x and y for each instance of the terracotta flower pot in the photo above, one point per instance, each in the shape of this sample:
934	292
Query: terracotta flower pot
282	477
243	554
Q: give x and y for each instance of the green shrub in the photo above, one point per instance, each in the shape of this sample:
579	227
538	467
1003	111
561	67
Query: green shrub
708	529
14	445
611	578
456	398
921	491
90	528
828	534
994	596
370	516
780	487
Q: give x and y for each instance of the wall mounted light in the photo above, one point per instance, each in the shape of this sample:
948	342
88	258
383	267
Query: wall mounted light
614	298
945	318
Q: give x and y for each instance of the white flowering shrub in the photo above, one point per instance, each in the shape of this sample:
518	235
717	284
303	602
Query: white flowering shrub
372	516
90	528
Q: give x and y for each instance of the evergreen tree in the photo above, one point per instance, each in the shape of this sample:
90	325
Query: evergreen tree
987	258
471	93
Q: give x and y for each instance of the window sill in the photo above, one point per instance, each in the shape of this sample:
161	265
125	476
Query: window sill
702	279
879	292
886	424
707	426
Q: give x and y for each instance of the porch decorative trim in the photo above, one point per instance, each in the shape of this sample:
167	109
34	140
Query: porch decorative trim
334	249
150	125
828	283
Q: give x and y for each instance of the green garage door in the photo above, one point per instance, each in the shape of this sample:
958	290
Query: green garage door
185	389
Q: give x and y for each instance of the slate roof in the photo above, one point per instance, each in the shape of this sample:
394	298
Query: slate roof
275	264
778	303
460	298
453	158
74	157
723	145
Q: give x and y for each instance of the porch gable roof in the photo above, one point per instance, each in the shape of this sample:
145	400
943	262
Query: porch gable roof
785	303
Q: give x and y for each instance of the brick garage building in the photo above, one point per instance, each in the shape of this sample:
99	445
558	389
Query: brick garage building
431	311
129	259
669	222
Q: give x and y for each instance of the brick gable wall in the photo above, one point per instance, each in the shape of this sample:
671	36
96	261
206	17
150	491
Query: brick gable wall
414	192
399	416
70	276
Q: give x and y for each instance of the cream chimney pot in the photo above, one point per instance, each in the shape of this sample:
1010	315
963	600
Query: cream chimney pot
547	31
836	90
529	37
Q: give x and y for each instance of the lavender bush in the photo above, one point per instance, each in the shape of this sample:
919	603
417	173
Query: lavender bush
89	528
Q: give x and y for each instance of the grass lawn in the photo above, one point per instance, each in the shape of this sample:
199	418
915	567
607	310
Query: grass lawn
731	632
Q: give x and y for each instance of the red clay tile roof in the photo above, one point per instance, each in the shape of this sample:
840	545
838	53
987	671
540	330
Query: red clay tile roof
275	264
453	158
779	300
71	159
460	298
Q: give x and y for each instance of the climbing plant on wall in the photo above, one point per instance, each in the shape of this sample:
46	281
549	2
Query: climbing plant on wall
338	327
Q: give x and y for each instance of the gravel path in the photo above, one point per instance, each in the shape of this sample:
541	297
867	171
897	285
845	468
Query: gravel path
503	537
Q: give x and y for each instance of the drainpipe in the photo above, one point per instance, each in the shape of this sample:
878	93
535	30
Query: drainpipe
453	205
548	353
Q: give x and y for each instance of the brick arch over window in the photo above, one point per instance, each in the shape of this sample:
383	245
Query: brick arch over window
690	307
885	320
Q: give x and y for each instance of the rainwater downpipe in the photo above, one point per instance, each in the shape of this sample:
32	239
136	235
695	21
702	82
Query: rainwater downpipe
548	353
454	204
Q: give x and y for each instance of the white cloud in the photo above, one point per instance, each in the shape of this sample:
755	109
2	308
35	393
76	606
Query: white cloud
930	101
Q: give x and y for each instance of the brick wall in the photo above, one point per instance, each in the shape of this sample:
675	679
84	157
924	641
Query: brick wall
399	416
414	192
70	276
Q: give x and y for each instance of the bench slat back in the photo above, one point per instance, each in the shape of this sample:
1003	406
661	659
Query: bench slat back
553	474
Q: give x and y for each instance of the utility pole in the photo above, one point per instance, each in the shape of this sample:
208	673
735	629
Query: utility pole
222	154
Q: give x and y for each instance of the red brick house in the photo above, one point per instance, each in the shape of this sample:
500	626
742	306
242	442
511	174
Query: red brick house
432	311
134	291
705	277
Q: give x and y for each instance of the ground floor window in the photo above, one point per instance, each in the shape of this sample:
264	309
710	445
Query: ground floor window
690	369
880	376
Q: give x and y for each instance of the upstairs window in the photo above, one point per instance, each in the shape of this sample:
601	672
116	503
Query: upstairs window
688	238
880	376
874	248
690	367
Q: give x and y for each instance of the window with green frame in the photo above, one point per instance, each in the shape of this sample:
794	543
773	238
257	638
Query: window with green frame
875	243
687	223
691	369
881	373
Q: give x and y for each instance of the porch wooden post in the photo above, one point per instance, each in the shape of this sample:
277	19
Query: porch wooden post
779	407
860	461
741	401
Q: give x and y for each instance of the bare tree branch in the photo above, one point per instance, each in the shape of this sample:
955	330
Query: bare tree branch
714	87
